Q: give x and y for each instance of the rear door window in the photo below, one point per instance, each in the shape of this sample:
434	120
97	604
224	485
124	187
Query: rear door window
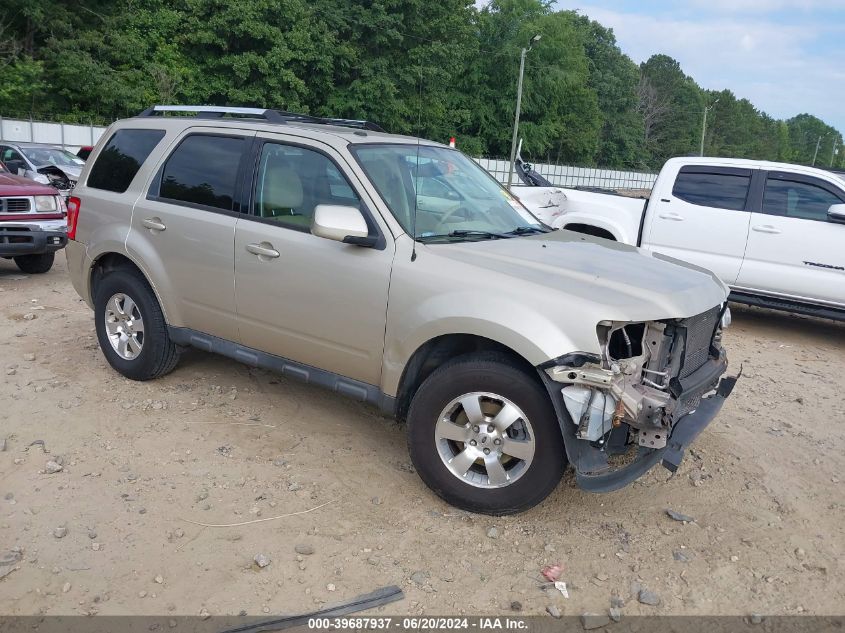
718	189
203	171
795	199
121	159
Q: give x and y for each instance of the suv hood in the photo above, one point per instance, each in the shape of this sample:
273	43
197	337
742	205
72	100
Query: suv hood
622	282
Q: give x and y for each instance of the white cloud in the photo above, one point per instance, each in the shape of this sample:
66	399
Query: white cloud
768	63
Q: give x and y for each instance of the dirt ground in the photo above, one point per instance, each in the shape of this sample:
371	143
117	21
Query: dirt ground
218	442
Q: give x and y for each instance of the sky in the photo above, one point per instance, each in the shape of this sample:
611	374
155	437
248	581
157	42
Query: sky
786	57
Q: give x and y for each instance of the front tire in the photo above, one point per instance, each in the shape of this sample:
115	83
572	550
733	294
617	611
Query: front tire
483	435
131	328
35	264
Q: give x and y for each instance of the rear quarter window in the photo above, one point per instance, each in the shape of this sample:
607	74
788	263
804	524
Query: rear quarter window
709	189
203	171
121	158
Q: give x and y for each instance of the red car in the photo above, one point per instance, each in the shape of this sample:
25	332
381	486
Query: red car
33	222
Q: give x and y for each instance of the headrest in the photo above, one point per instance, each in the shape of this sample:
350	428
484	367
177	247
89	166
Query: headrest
282	188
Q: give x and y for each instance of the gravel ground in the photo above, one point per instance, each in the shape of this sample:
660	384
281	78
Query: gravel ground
113	530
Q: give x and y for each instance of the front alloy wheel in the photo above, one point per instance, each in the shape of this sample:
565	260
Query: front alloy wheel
483	434
485	440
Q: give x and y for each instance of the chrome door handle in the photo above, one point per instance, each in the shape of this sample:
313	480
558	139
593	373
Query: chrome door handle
154	224
672	216
765	228
265	249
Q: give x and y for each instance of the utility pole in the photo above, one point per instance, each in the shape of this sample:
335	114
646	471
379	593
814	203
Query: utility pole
833	152
818	143
704	126
522	55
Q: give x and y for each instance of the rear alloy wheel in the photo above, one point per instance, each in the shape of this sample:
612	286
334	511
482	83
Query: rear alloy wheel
131	328
483	435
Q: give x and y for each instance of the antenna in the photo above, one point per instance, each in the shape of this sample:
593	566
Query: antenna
417	174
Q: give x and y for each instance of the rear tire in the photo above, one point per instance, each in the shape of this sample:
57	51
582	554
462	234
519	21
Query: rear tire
444	443
131	328
35	264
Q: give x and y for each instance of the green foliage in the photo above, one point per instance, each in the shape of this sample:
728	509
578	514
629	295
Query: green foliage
23	83
806	134
614	78
433	69
676	132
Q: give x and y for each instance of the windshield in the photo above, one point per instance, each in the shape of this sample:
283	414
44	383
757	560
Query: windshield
51	156
451	196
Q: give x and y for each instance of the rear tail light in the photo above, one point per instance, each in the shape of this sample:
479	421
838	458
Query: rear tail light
73	205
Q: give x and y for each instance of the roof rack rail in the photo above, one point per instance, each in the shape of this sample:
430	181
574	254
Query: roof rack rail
356	123
206	111
273	116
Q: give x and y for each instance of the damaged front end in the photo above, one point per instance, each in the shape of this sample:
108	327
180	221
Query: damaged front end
58	179
653	389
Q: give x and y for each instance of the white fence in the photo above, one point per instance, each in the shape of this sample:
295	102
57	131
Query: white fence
68	135
566	176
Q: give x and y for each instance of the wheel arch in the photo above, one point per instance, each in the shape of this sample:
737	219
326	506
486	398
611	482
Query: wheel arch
110	261
440	349
588	229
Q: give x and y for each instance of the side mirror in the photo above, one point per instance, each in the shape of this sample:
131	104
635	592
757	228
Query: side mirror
836	213
341	224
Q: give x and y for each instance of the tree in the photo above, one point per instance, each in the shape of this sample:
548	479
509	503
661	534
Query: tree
433	69
652	106
560	118
22	86
267	53
806	132
677	132
401	63
615	79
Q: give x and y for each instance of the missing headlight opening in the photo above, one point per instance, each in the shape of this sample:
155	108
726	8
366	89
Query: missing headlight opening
626	341
646	381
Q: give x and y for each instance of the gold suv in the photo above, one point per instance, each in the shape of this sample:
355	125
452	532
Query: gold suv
396	271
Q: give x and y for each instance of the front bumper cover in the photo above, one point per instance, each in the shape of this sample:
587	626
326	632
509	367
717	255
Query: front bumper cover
592	472
19	241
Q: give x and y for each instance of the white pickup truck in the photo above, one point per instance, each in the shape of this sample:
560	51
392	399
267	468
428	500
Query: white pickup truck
773	232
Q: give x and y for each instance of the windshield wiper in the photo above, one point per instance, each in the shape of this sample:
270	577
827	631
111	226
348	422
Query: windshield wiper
525	230
465	233
471	233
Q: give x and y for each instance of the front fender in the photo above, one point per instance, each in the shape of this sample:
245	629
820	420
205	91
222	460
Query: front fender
527	331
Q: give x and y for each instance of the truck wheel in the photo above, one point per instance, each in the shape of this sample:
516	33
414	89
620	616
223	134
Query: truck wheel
35	264
131	328
483	435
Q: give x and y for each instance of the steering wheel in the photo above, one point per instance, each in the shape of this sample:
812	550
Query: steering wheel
448	215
